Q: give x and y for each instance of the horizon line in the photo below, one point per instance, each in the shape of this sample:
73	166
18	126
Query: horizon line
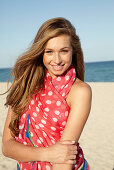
84	63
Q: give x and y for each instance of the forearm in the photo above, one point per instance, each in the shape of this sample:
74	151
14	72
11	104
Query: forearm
23	153
62	166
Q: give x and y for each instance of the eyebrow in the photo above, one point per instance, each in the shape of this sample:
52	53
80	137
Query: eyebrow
52	49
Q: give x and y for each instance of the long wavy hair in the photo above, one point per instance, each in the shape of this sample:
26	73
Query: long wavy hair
28	71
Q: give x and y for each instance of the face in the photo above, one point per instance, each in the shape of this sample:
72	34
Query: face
58	55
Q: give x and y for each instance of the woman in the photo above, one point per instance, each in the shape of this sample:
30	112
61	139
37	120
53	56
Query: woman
48	101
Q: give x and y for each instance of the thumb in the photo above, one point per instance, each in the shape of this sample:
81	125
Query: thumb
68	142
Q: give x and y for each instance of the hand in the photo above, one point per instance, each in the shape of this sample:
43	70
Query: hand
63	152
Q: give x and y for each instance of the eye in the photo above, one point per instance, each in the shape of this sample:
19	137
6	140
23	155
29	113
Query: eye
48	51
64	51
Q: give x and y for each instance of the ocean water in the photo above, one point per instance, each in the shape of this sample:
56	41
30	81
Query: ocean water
94	72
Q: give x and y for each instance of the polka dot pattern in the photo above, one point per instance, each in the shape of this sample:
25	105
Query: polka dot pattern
57	112
50	93
44	122
58	103
53	128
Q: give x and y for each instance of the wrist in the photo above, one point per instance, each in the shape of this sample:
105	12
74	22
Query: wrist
42	154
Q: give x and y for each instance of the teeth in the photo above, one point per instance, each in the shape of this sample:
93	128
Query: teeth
58	66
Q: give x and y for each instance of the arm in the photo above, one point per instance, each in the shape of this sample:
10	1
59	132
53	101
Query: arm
23	153
80	103
54	153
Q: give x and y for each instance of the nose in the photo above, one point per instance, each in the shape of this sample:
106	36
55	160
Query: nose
57	58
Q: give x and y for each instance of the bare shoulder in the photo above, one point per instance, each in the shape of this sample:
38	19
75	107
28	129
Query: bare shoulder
80	90
81	86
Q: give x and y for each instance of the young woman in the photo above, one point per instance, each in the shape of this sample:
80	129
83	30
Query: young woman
49	102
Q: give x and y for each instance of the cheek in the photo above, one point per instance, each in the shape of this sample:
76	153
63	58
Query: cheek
69	58
45	59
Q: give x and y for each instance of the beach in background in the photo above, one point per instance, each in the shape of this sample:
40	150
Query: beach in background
97	138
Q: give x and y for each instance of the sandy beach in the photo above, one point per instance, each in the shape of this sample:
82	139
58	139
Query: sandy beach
97	138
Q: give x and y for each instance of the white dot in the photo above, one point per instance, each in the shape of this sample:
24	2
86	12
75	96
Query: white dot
64	123
53	128
25	143
52	137
75	165
37	109
58	78
41	125
20	137
66	113
46	109
48	101
53	141
44	117
29	107
47	74
50	93
58	103
66	77
37	127
39	103
55	119
39	167
43	121
33	118
48	167
73	70
43	94
66	86
39	141
45	114
21	166
44	134
80	155
63	94
31	134
35	115
32	102
62	86
57	112
21	127
24	115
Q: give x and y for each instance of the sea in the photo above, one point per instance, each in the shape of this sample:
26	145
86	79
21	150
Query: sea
94	72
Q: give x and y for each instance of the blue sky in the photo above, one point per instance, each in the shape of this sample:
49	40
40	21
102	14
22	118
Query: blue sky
21	19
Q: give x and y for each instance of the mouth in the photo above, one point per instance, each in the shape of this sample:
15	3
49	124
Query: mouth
57	67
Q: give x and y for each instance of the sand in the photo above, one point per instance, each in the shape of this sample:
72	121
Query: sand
97	138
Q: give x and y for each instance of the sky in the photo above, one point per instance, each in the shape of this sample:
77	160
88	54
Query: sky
21	19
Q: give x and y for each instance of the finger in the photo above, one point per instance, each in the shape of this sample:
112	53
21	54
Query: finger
73	157
71	162
72	148
74	152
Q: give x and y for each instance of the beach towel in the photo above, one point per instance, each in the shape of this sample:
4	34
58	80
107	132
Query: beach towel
43	122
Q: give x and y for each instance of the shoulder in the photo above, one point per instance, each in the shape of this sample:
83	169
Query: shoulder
81	87
79	90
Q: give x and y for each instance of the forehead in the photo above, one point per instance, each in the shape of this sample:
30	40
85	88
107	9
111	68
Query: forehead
60	41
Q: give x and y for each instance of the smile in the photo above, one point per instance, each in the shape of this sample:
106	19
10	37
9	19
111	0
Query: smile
57	67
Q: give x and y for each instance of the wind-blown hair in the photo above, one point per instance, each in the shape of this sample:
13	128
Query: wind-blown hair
28	71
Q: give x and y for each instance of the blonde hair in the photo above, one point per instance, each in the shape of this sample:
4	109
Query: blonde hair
28	70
